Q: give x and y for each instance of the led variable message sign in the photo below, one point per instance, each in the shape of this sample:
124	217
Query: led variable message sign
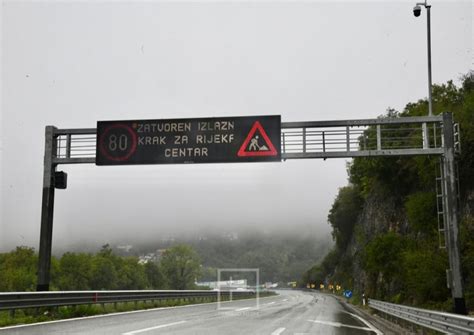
201	140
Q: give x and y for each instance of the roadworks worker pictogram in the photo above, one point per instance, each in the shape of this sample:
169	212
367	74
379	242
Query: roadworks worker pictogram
254	145
251	146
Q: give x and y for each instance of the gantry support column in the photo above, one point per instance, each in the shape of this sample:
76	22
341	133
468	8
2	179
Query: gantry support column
451	211
47	210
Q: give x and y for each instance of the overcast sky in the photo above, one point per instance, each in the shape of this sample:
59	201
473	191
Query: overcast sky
70	64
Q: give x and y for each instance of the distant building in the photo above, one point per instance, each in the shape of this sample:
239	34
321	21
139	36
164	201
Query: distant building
125	248
159	253
146	258
231	236
151	257
268	285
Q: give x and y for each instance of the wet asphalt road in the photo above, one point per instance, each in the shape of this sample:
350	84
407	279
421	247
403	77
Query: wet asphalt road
291	312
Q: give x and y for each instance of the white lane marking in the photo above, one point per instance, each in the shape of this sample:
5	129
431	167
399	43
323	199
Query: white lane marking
152	328
285	300
270	303
118	313
378	332
339	325
278	331
242	309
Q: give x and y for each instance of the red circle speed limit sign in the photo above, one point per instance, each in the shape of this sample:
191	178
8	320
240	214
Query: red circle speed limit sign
118	142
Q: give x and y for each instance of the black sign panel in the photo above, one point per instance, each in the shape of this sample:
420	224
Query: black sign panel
203	140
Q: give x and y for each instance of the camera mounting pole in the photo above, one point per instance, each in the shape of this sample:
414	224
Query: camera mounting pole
417	12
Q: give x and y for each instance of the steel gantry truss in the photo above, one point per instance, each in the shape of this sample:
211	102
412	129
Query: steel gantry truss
398	136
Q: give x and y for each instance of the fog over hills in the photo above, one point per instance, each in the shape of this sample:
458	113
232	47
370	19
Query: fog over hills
167	236
281	255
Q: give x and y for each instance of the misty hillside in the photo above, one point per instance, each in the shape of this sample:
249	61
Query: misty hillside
280	256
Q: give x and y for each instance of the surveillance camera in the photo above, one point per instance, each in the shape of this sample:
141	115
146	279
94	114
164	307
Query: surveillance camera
417	10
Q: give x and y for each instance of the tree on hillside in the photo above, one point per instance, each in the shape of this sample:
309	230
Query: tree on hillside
18	270
424	273
383	260
132	276
181	267
343	215
75	271
155	276
104	272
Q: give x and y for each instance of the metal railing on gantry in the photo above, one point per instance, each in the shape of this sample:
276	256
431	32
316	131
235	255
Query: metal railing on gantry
399	136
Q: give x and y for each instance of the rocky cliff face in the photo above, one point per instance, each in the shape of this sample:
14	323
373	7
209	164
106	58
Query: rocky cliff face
380	214
385	213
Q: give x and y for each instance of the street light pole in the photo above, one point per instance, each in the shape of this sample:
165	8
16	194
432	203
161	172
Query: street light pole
417	12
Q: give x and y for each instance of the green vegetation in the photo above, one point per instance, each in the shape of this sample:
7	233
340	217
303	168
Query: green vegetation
384	222
346	207
177	269
281	257
181	266
18	269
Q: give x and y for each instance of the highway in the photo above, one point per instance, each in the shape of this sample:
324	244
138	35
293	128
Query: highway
290	312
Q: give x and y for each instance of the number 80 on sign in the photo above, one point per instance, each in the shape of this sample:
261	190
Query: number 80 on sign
118	142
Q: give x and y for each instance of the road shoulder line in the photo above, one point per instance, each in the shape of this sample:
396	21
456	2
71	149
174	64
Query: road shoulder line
368	324
278	331
138	331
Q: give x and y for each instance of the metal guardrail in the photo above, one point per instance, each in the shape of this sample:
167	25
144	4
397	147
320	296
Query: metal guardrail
19	300
443	322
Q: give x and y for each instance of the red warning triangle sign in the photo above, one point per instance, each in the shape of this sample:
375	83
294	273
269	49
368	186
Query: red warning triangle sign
255	149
